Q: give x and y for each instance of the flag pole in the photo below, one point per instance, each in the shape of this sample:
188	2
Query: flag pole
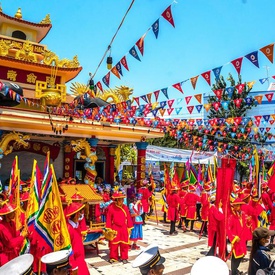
156	211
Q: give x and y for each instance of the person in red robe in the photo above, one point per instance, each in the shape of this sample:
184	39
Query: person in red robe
118	218
146	194
173	201
77	260
205	204
237	235
183	210
266	199
11	240
190	201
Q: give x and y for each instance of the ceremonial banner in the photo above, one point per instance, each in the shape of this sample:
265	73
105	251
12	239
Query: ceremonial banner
50	222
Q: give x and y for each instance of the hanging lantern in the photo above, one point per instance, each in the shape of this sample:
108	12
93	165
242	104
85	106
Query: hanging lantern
109	62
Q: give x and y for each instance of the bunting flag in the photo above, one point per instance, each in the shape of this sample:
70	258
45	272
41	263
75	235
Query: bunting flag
170	102
34	194
169	111
50	222
99	85
268	52
164	91
134	53
162	111
263	80
178	110
106	79
207	107
124	63
136	100
259	98
269	96
198	97
190	109
194	81
199	108
240	88
155	28
149	96
207	77
115	72
237	63
253	58
140	44
218	93
144	98
167	14
217	72
119	69
187	99
178	87
156	93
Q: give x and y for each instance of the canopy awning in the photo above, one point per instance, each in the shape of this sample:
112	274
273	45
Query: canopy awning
156	153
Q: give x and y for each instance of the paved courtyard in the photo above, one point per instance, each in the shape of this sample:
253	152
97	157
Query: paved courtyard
181	252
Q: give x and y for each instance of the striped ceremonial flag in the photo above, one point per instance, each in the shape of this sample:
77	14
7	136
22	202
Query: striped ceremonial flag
46	172
271	170
50	221
34	195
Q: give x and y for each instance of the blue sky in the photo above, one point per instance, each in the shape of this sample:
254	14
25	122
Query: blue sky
207	34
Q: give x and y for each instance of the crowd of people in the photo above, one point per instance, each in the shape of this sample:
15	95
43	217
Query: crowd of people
250	217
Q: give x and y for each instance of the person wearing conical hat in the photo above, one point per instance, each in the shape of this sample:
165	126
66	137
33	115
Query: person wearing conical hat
11	240
237	235
118	218
173	201
77	260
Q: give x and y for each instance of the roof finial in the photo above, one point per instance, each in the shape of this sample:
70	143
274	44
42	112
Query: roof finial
18	14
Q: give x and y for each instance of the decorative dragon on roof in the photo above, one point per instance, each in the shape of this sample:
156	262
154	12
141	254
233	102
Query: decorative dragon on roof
90	157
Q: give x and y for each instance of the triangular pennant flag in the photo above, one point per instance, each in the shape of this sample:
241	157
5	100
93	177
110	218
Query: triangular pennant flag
156	93
259	98
238	102
218	93
266	117
263	80
155	105
269	96
179	100
267	129
162	111
163	104
155	28
198	97
170	102
164	91
149	96
198	107
118	67
237	63
258	118
144	98
229	91
190	109
250	84
253	57
123	61
178	87
154	112
99	85
167	14
187	99
271	121
169	111
240	88
194	81
216	105
257	123
248	100
133	52
207	107
207	77
106	79
136	100
268	52
140	44
178	110
217	72
115	72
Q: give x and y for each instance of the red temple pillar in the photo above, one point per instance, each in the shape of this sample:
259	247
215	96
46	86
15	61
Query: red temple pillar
141	161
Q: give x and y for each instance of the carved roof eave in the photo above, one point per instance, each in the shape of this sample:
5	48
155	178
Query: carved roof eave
67	73
42	29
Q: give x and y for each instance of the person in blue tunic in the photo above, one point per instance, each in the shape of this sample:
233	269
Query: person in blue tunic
136	210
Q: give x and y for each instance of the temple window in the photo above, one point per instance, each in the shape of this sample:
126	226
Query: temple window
19	35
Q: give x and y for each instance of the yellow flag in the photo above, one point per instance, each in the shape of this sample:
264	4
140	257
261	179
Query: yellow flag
50	220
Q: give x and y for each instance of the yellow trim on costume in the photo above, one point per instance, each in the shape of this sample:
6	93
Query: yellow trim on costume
76	211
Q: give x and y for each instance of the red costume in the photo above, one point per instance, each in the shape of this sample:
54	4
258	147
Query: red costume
173	201
10	241
146	194
191	200
119	219
183	208
205	204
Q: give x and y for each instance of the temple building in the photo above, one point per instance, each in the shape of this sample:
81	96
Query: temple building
35	107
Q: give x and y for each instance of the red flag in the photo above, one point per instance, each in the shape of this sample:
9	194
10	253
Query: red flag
237	63
136	100
187	99
218	93
271	183
169	111
140	44
178	87
207	77
190	109
167	14
123	61
99	85
156	93
269	96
